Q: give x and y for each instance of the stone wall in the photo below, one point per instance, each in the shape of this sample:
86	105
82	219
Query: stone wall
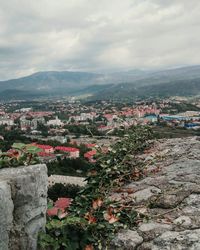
170	198
23	204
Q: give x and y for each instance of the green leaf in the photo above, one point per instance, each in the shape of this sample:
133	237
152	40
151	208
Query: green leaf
33	149
19	146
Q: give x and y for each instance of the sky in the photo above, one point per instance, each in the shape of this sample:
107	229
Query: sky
97	35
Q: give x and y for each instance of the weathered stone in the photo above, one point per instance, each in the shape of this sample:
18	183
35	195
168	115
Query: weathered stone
145	246
170	197
145	227
126	240
145	194
152	229
169	200
6	214
173	210
183	221
25	190
192	204
185	240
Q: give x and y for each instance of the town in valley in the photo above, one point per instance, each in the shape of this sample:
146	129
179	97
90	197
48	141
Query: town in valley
71	133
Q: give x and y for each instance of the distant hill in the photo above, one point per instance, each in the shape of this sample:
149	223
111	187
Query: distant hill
13	94
47	81
182	81
133	92
127	84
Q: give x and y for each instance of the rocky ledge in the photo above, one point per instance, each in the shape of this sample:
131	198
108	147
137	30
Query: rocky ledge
23	204
169	196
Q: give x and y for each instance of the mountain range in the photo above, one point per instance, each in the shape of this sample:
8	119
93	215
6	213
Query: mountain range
184	81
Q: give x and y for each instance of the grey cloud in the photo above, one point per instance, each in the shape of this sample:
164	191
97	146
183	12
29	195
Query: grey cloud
97	35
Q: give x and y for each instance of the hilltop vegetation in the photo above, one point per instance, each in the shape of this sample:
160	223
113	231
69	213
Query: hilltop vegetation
120	85
133	92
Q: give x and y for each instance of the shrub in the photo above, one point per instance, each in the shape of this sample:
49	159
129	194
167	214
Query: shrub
94	217
60	190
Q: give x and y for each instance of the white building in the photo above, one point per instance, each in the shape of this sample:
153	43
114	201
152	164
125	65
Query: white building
23	110
6	121
55	122
83	117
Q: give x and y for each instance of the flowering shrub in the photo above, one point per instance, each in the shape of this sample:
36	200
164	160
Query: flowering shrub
59	208
20	154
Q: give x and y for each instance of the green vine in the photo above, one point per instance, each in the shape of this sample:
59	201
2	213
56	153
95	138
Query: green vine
95	216
20	155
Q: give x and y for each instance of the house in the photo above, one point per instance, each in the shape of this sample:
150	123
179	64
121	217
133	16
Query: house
55	122
73	152
24	110
151	118
6	121
24	123
30	124
40	114
45	148
46	157
86	116
103	128
110	117
89	155
83	117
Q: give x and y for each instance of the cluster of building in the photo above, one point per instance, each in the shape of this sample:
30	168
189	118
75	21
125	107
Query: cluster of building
49	153
6	120
83	117
182	120
107	117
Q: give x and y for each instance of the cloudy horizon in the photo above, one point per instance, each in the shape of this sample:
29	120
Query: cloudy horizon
97	36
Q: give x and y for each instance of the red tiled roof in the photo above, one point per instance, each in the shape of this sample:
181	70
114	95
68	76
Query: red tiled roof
43	154
43	146
67	149
90	154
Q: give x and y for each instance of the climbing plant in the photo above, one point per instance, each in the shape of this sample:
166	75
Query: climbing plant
20	154
95	215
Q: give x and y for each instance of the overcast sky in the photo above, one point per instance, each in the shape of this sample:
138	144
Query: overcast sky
97	35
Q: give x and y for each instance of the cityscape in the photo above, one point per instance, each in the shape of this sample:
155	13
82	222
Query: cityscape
79	130
99	125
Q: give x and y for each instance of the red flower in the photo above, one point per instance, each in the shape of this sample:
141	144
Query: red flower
109	216
63	203
97	203
89	247
91	219
52	211
59	208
